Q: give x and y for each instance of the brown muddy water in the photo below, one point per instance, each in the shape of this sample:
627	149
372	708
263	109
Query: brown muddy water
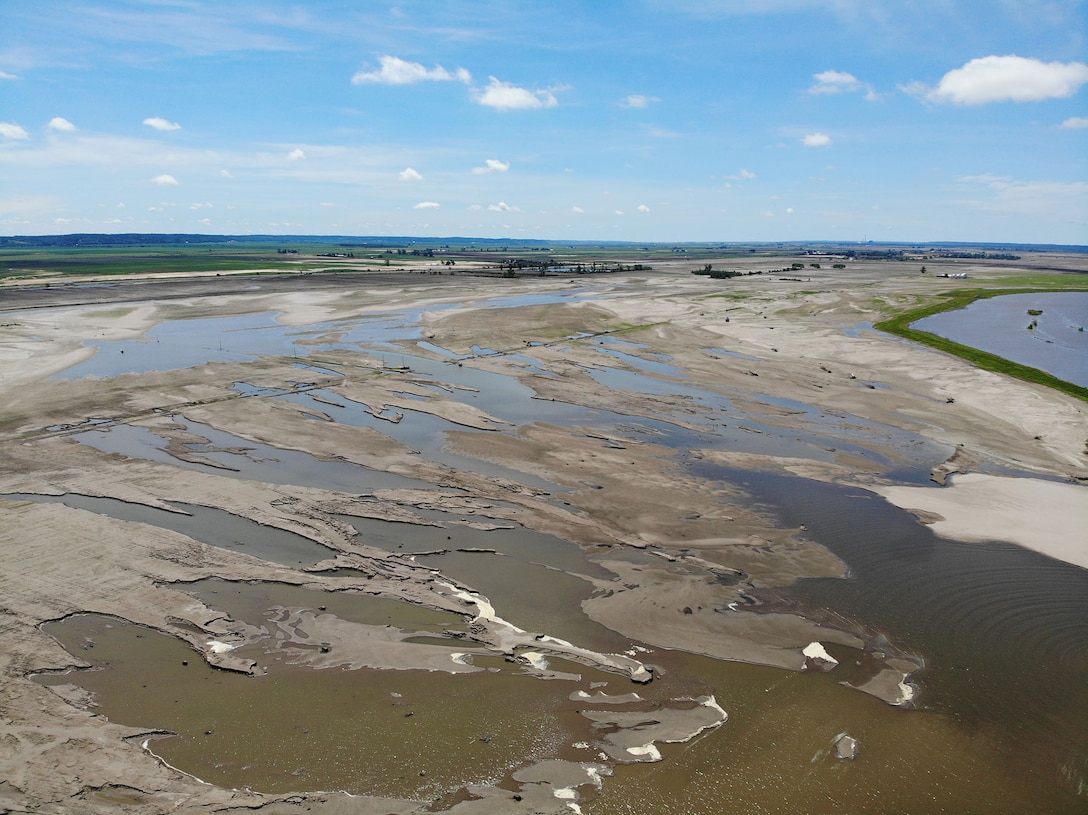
405	733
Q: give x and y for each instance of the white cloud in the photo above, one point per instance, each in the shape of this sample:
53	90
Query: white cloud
1006	79
643	208
830	82
1076	122
743	175
638	100
619	212
60	124
506	96
296	154
427	205
834	82
408	174
326	204
816	140
165	180
12	131
205	222
204	205
225	174
502	206
577	210
159	123
6	75
492	165
396	71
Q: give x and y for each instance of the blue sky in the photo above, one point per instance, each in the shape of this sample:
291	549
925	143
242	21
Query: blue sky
641	120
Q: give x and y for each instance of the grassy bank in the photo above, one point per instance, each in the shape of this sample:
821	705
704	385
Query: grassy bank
900	325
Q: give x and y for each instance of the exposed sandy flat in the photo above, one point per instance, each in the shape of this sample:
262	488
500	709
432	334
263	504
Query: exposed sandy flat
789	357
1047	516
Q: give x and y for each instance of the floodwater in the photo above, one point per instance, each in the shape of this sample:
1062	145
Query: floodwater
1004	694
416	734
234	457
1054	340
205	524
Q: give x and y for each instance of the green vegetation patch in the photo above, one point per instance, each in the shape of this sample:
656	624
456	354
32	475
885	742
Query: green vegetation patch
900	325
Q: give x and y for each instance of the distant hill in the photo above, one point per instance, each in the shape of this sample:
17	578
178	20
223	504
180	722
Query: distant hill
88	240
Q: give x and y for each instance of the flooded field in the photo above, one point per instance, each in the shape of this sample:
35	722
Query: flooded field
1045	331
490	503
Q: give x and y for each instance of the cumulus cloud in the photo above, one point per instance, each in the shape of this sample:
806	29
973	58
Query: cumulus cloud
9	130
577	210
1075	122
492	165
638	100
165	180
408	174
60	124
834	82
643	208
830	82
1005	79
202	205
205	222
396	71
427	205
506	96
816	140
296	154
502	206
159	123
743	175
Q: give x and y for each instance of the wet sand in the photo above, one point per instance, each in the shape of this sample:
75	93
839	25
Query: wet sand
799	385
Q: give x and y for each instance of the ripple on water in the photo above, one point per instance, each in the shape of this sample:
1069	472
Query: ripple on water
1004	630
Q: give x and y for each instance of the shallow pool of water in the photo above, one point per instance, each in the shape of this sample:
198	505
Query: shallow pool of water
234	457
413	734
205	524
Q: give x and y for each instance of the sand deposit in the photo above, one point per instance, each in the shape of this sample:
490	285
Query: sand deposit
805	388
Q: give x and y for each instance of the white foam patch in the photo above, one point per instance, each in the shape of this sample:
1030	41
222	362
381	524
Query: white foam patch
217	647
816	650
536	659
649	750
